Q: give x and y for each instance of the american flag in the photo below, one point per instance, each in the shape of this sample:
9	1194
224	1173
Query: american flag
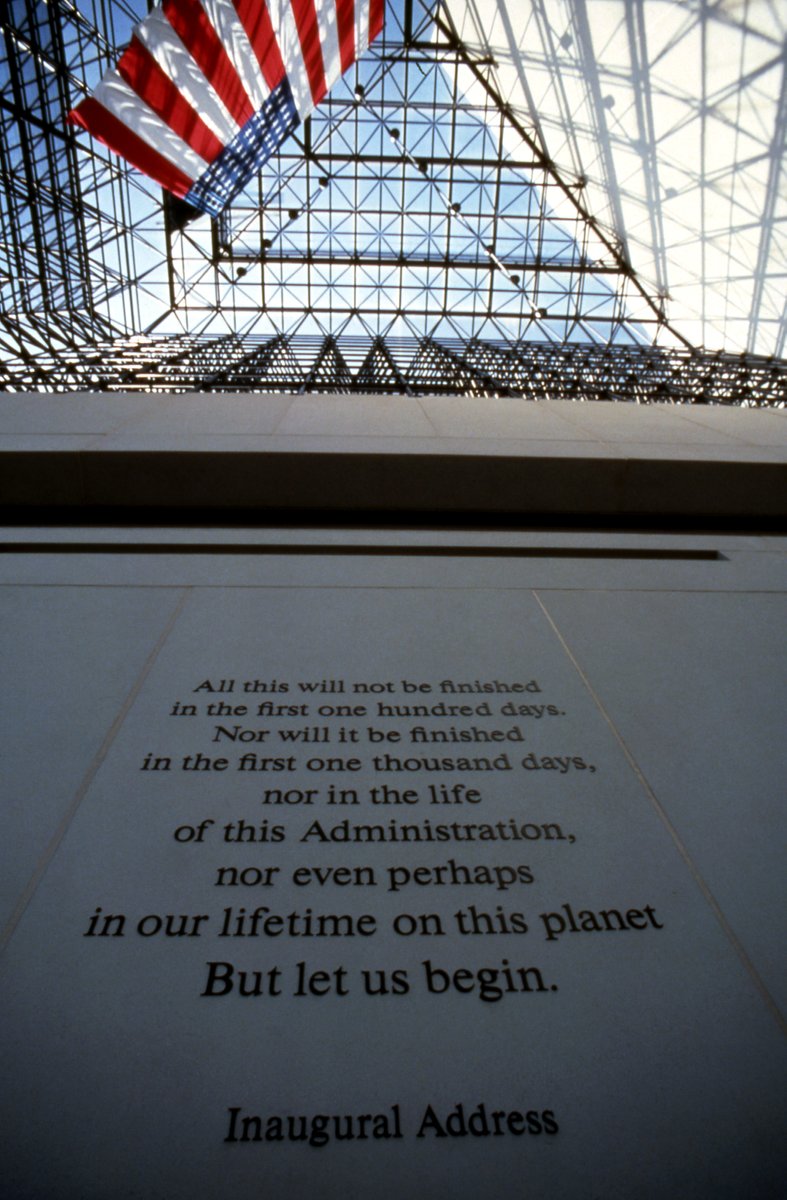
208	89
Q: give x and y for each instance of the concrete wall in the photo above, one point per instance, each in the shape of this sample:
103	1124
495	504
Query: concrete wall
583	978
394	453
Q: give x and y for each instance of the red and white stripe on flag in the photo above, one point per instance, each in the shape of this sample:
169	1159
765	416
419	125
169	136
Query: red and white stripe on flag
207	89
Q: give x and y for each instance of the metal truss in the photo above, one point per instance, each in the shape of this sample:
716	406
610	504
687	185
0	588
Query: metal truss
73	222
412	237
407	209
673	117
407	366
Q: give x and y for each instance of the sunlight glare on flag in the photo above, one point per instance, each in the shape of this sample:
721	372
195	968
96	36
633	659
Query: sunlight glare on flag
207	90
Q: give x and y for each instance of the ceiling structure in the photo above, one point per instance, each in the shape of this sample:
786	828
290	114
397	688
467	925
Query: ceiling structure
672	119
450	219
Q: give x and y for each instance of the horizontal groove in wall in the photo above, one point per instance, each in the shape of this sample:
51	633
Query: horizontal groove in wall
355	550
